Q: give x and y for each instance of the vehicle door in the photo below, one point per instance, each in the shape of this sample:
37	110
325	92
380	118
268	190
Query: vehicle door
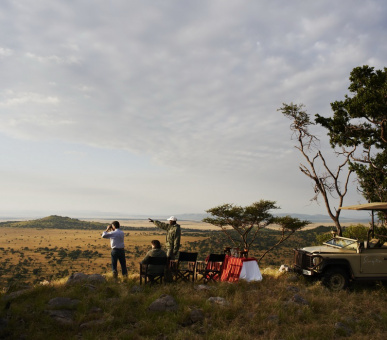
373	261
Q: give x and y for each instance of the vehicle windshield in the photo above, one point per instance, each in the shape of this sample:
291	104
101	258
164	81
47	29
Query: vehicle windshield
341	242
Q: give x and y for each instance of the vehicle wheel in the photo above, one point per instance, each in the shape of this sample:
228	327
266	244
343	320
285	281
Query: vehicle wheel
336	279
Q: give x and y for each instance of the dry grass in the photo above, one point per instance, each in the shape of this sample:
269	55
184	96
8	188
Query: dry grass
257	310
21	245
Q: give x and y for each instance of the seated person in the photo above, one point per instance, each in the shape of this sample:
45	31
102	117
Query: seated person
156	251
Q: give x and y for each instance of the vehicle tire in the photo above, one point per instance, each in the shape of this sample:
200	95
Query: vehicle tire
336	279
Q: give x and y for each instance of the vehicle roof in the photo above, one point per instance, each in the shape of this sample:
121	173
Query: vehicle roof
381	206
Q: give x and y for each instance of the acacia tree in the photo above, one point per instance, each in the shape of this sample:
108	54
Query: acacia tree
328	183
248	221
361	121
288	226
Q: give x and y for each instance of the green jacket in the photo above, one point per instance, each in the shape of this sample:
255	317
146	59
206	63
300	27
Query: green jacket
172	238
154	269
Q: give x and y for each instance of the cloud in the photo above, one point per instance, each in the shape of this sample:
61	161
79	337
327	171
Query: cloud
193	86
5	52
11	98
54	59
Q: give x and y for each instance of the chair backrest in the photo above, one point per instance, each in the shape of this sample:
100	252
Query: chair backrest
187	257
216	257
161	261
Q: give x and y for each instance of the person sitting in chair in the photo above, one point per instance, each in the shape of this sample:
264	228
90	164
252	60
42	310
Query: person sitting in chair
156	251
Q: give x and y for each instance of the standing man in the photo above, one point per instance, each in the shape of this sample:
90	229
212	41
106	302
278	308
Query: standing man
173	235
116	237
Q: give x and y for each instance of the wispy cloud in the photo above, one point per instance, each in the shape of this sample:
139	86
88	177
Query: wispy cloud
192	86
54	59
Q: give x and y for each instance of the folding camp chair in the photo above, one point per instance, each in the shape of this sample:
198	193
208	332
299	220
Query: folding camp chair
184	268
214	267
152	279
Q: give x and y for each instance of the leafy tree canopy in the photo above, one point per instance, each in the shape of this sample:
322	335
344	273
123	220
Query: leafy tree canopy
361	121
248	221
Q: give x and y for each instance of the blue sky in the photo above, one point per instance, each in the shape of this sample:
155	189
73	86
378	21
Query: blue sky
147	107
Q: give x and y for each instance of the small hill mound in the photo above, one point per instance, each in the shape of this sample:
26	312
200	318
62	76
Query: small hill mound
54	222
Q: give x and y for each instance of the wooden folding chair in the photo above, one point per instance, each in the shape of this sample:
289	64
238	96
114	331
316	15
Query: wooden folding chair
214	267
184	268
150	278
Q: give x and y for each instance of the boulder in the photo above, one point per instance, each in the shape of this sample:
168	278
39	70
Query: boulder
63	302
92	324
81	277
196	315
76	278
14	295
165	303
96	278
62	316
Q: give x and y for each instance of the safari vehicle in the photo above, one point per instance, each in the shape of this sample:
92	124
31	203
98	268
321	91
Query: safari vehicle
341	260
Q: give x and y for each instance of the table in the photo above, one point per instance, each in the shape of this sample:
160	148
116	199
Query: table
239	268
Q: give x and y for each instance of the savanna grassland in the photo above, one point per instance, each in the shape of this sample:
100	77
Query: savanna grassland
282	306
55	247
33	255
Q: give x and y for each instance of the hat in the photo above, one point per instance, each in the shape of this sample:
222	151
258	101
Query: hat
172	218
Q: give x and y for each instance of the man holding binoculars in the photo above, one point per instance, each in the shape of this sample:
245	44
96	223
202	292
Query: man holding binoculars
116	237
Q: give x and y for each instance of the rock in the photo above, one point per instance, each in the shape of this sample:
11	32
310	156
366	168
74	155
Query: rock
76	278
342	329
15	295
196	315
89	286
165	303
218	300
96	278
300	300
63	302
284	268
81	277
92	324
62	316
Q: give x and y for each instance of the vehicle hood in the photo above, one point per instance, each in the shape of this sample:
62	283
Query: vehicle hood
322	249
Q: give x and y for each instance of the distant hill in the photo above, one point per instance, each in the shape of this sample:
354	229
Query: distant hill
54	222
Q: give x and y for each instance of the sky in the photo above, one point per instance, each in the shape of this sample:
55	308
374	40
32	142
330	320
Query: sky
121	108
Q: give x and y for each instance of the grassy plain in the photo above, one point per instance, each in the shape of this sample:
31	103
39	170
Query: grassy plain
33	254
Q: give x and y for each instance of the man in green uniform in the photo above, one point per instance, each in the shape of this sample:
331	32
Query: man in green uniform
173	236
